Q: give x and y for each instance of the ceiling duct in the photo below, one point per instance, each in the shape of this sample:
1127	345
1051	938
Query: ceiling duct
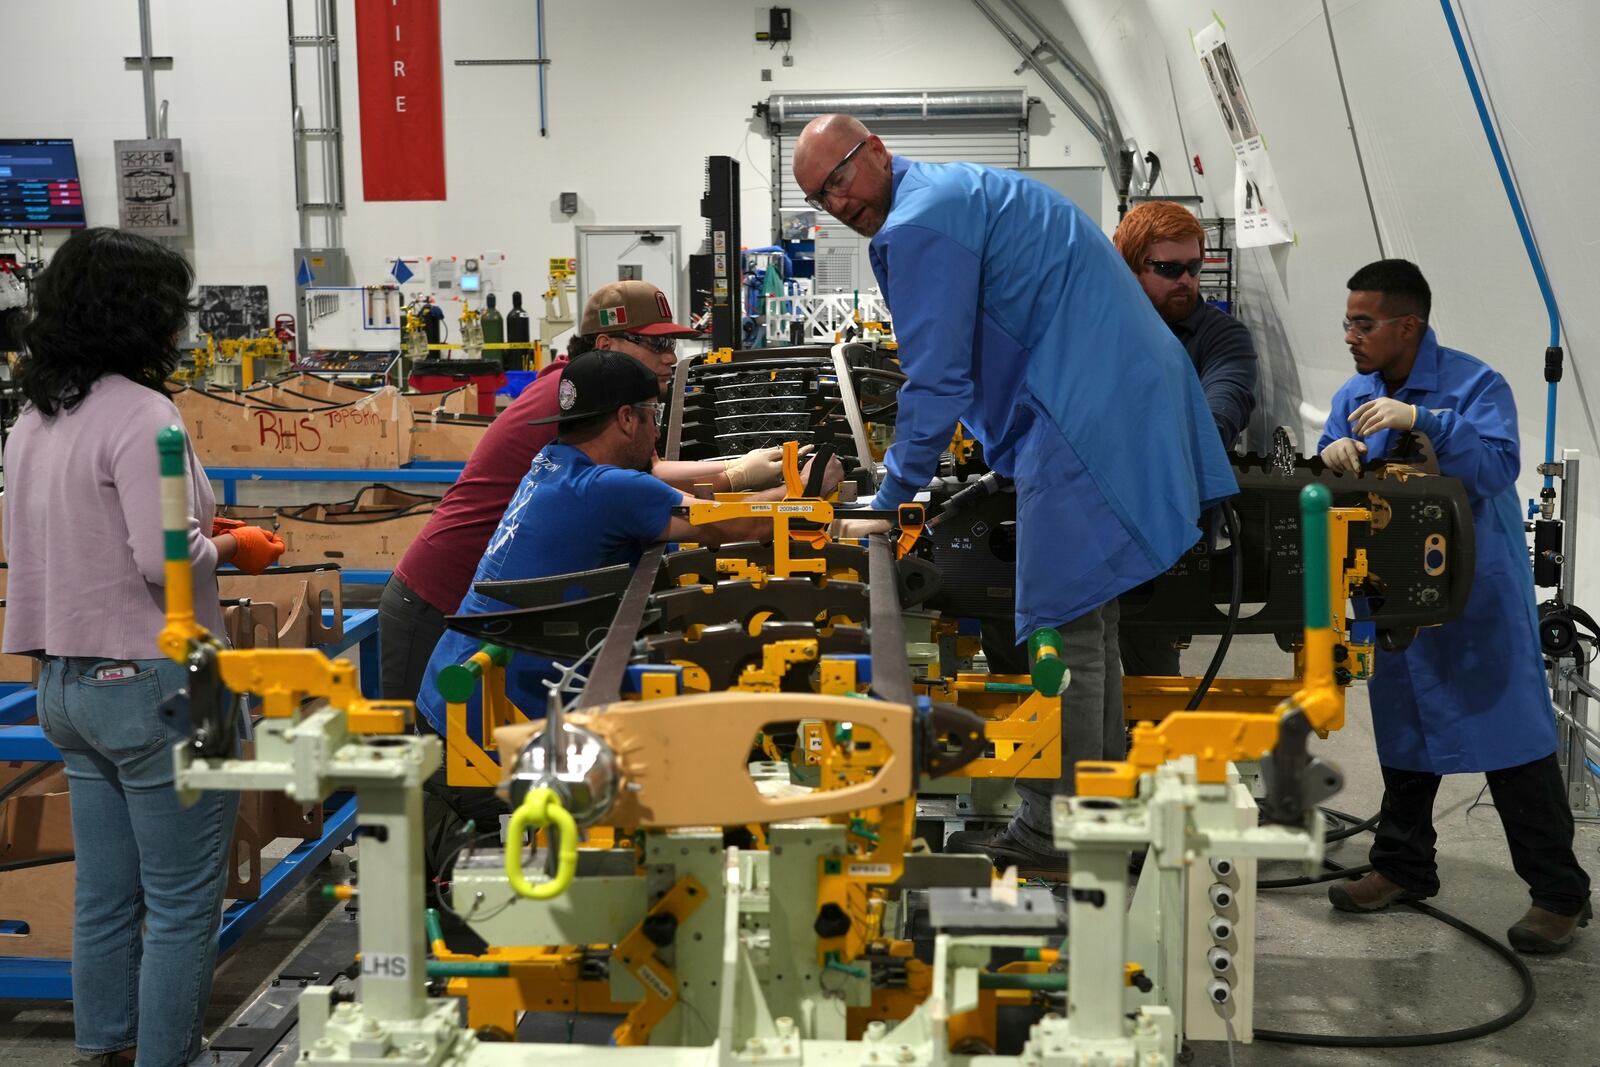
1010	106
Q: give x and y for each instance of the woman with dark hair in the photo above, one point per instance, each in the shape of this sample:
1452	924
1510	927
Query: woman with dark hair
86	596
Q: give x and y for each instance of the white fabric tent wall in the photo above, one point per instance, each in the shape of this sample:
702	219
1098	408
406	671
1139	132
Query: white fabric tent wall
1436	195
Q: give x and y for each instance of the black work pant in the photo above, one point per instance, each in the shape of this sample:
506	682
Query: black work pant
408	629
1532	803
1148	653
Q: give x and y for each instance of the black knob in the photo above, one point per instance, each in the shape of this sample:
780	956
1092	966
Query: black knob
660	928
831	921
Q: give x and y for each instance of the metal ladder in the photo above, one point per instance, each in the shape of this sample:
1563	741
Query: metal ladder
319	189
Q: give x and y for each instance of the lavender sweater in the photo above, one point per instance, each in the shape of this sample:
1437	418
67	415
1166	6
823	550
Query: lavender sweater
83	527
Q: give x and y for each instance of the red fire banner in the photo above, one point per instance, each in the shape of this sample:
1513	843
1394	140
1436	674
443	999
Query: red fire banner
399	64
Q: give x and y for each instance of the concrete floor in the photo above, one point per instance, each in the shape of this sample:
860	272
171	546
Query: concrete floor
1318	970
1399	972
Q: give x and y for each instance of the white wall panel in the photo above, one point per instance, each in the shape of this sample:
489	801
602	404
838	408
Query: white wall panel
1435	192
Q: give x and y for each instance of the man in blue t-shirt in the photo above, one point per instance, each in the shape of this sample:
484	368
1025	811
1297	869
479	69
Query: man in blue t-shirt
588	501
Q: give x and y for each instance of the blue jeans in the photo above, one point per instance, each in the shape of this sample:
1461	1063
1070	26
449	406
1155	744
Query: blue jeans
149	872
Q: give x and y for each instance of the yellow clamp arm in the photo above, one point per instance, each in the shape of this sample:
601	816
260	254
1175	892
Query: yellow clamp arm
541	808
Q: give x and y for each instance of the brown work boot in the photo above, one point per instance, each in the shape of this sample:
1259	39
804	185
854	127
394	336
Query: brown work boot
1371	892
1543	932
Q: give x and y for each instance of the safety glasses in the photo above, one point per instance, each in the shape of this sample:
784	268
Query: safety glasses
1366	326
835	181
654	344
1172	269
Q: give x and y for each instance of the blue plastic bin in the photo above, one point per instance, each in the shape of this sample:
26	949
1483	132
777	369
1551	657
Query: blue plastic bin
516	382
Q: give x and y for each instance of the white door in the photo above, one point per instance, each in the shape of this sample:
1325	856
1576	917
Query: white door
615	253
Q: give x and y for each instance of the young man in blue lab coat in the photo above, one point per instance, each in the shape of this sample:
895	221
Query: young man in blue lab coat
1016	316
1470	695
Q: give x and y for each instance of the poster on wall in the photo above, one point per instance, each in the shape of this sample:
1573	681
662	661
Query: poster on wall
150	199
234	312
1258	208
399	69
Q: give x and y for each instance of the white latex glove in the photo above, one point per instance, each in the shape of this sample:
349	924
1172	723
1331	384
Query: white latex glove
760	468
1382	413
1344	455
847	528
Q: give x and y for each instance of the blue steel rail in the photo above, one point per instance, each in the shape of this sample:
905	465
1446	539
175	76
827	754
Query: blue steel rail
426	471
28	978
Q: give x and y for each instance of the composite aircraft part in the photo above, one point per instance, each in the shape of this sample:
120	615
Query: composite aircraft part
916	579
724	650
559	588
620	766
786	599
562	631
1419	551
974	553
692	755
764	397
611	663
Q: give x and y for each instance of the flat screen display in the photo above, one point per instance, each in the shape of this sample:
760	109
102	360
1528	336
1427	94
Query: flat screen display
39	185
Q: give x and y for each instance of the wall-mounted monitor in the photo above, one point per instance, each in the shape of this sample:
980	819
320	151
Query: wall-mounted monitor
39	185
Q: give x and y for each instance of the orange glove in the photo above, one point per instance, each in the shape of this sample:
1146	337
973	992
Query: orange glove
258	549
220	526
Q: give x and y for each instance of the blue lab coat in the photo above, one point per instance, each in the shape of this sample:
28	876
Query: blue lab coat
1469	695
1016	316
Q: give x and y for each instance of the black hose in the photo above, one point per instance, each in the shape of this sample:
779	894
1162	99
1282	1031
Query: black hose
1313	879
1443	1037
1230	523
1352	826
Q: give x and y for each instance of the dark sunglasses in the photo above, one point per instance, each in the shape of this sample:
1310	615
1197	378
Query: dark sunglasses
654	344
1172	270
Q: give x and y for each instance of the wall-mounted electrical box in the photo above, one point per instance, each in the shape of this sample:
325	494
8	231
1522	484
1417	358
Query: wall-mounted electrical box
777	27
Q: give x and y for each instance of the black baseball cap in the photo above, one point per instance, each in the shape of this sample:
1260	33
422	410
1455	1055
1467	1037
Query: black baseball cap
598	383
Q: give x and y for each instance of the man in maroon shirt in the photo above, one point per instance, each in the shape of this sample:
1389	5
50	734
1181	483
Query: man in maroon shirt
632	317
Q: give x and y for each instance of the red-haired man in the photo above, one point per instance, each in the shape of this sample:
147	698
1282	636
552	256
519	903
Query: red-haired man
1163	243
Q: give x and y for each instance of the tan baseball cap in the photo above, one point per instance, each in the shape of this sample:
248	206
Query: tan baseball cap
631	307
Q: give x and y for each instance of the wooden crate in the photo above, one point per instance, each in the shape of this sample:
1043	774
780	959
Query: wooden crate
235	430
298	594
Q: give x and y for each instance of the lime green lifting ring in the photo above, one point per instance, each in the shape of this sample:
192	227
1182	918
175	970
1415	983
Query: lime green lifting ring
541	808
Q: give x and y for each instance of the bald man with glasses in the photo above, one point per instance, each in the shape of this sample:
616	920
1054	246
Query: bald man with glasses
1016	317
